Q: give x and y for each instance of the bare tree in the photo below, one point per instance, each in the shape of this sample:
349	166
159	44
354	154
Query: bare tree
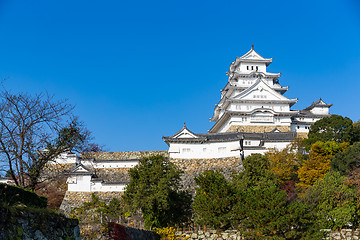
33	131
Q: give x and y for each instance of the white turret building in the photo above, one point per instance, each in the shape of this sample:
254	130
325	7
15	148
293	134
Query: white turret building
252	115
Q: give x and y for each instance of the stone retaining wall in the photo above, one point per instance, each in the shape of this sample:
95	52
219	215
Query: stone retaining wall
191	168
113	174
210	234
302	134
343	234
194	167
123	155
36	224
76	199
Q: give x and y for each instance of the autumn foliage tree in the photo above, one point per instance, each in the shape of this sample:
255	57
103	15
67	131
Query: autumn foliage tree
285	163
318	163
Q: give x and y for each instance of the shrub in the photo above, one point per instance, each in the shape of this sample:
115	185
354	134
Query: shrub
12	195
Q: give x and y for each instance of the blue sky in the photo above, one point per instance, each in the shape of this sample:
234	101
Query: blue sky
137	70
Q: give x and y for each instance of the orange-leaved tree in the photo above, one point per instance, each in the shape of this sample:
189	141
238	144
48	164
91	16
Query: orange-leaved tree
285	163
318	163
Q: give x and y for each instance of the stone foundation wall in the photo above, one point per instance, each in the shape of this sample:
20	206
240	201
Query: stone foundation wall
194	167
343	234
257	129
123	155
210	234
113	174
36	224
302	135
76	199
191	168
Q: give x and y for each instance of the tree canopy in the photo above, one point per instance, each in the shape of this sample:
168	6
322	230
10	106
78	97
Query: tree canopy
285	163
154	189
214	201
334	128
345	162
333	201
318	163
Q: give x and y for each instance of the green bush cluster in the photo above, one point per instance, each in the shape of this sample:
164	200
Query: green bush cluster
12	195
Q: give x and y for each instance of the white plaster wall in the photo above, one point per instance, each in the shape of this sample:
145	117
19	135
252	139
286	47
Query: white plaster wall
300	128
189	151
205	150
320	110
103	187
79	183
249	152
278	145
243	69
65	158
247	107
84	184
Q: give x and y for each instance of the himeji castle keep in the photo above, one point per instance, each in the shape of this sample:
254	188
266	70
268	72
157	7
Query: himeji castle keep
252	116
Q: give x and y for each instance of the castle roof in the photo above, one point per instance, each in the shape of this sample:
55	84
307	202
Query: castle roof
80	169
232	136
251	57
318	103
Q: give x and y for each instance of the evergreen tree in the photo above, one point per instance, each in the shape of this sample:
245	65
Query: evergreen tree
154	189
346	161
333	202
214	201
334	128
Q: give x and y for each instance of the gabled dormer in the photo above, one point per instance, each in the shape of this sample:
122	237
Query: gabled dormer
80	169
261	92
319	107
184	133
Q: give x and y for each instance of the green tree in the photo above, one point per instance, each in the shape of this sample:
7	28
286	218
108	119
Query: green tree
334	128
261	208
214	201
318	163
333	202
348	160
256	169
154	189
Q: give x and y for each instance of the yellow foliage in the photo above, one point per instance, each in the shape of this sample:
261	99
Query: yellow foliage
318	163
282	163
285	163
168	233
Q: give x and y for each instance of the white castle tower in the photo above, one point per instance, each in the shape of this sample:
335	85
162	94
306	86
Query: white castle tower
252	100
252	115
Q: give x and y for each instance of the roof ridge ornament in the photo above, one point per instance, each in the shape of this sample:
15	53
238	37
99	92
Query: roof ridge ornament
252	46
